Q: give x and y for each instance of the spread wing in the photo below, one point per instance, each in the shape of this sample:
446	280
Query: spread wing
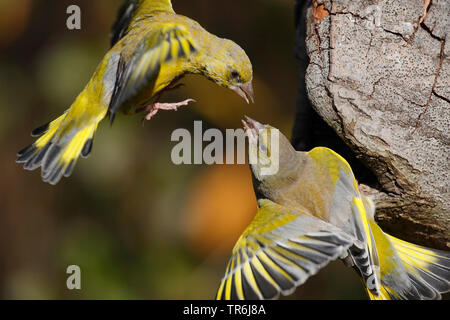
165	43
128	10
351	212
344	188
279	251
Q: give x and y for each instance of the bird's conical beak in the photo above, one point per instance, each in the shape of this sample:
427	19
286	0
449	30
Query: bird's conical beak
252	127
245	91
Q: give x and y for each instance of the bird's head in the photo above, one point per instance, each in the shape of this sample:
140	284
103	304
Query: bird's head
272	158
231	68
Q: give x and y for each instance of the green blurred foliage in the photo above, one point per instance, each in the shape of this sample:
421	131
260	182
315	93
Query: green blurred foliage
122	216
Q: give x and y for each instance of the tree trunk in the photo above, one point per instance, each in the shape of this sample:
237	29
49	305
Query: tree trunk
378	73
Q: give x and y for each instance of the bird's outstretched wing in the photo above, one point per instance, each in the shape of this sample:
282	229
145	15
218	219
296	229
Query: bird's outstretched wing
166	42
129	9
279	251
351	212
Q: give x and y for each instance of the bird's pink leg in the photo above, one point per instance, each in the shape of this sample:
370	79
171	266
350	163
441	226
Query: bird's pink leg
155	107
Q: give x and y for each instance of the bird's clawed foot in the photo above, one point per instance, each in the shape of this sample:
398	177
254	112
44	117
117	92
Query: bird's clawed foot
155	107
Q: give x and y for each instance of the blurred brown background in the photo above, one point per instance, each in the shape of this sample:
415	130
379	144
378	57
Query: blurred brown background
137	225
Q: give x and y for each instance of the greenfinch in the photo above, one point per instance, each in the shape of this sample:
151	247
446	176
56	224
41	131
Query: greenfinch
152	49
311	212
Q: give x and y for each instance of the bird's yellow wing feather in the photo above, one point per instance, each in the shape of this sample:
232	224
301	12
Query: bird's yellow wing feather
279	251
164	44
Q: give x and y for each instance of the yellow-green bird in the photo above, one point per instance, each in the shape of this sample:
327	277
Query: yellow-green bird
311	212
152	49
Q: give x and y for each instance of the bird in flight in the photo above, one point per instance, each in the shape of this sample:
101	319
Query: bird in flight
152	48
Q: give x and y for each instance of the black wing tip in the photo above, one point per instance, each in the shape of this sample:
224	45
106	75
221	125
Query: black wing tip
24	154
69	169
35	161
40	130
51	167
87	148
112	117
34	157
249	293
268	291
122	22
48	158
54	176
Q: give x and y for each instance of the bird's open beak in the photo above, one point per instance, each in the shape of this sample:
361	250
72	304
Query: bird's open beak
245	91
252	127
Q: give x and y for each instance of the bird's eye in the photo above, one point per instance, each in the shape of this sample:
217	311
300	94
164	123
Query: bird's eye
235	74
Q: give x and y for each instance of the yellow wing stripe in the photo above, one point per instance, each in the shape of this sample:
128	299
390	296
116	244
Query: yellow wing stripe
53	127
164	44
305	249
278	251
220	291
251	279
175	48
362	211
238	279
73	149
228	288
289	254
259	267
415	250
279	256
262	255
229	280
238	284
384	294
165	49
186	45
222	283
414	258
267	221
247	270
261	240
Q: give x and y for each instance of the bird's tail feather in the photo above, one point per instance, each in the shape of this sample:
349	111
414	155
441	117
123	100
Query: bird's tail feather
409	271
59	145
428	269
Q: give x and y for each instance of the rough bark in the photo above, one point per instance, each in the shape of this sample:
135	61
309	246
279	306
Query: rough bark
378	74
